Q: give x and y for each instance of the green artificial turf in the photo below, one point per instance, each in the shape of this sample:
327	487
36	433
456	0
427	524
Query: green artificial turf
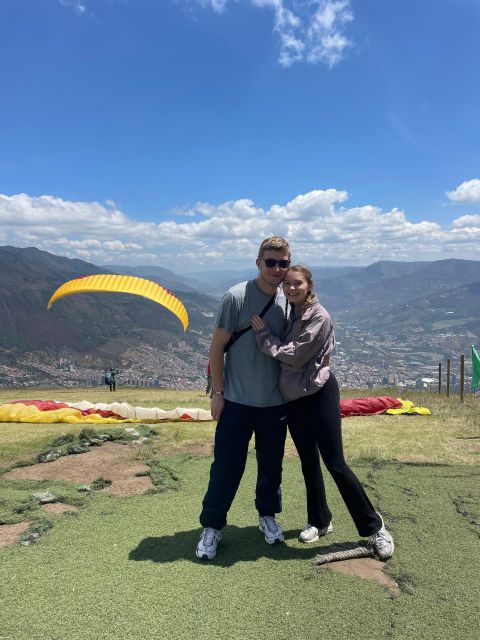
124	568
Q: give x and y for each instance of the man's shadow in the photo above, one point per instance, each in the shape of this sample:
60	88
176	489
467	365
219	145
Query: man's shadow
238	544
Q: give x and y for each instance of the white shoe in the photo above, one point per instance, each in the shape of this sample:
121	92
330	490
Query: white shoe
312	534
271	529
383	543
207	545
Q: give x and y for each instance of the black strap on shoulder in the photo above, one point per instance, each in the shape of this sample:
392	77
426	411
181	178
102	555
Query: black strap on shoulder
237	334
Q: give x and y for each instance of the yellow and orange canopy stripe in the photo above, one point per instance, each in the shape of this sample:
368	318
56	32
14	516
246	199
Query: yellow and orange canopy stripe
124	284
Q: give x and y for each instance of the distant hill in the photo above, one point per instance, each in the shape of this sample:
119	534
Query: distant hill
217	282
103	325
455	308
372	292
361	281
162	276
147	341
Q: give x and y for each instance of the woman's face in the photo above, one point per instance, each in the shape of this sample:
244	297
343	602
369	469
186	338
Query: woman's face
295	287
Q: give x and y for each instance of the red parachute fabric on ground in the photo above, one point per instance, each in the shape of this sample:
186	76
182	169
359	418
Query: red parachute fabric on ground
354	407
51	405
368	406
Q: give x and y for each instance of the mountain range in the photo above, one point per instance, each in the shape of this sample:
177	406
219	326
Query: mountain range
101	324
114	328
416	294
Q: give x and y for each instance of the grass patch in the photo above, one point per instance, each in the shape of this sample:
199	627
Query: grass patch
145	545
100	483
446	437
420	472
68	443
17	501
166	476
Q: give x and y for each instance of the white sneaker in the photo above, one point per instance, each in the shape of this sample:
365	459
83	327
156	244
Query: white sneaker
383	543
271	529
312	534
207	545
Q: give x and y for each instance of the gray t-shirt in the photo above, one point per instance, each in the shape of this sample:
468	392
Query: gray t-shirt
251	377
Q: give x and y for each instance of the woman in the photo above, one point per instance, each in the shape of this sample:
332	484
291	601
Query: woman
313	408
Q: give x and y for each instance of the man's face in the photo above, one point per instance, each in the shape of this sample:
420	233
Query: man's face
274	274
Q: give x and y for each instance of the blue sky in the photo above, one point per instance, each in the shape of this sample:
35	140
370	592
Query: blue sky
181	132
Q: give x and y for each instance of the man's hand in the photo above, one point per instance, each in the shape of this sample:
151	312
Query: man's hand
217	405
219	340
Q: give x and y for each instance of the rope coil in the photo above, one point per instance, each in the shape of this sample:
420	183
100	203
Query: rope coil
349	554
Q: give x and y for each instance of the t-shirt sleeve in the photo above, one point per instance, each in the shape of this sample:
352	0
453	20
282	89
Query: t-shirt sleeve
228	313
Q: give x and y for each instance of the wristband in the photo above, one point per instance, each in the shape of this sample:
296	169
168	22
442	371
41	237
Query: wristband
216	393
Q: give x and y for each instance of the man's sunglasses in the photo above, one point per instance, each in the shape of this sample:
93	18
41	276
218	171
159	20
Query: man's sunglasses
271	263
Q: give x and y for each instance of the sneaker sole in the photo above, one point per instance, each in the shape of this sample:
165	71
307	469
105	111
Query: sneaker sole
309	541
272	540
387	557
204	556
321	534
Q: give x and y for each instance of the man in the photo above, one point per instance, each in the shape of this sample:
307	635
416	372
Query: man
246	400
110	378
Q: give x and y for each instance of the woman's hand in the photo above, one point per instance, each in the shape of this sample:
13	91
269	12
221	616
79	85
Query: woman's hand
258	323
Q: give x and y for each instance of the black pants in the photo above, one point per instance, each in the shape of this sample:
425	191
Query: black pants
315	425
234	430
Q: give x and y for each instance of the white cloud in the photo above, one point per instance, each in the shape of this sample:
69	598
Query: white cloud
320	226
76	5
468	191
326	40
467	221
216	5
309	30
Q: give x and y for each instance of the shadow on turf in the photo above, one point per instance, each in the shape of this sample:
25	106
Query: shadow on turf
245	544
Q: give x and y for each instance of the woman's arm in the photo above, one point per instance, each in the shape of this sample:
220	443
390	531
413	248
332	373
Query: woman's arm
313	337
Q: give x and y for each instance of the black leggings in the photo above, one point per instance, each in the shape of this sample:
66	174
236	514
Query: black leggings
315	425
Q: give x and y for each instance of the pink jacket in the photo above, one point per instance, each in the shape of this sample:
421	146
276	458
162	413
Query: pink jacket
308	340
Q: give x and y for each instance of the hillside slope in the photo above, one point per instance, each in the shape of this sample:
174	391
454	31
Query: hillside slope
98	328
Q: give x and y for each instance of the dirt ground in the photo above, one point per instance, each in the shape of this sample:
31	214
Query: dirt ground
10	533
113	462
367	568
58	507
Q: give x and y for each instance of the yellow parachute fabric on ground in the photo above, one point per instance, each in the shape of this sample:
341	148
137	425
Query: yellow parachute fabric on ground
124	284
126	413
28	413
408	408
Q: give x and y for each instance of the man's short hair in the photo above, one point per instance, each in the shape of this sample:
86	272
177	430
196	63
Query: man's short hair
274	243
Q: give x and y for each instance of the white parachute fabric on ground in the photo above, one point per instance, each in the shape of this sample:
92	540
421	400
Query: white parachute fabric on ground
147	414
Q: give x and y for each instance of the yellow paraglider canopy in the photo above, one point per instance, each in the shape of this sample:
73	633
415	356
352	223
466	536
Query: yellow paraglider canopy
124	284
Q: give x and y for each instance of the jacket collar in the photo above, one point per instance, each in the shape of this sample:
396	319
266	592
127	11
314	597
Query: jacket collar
307	313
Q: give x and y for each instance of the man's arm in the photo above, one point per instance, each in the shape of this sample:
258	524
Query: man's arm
219	340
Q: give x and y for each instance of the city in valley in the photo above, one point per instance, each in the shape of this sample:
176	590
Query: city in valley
362	359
